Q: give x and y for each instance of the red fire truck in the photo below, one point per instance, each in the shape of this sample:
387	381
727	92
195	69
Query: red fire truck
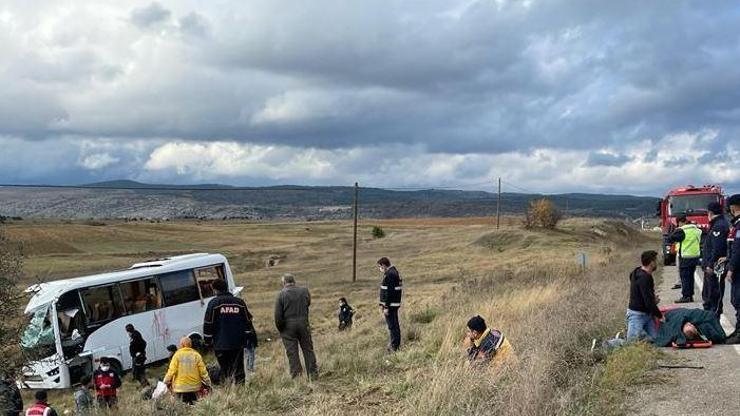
690	201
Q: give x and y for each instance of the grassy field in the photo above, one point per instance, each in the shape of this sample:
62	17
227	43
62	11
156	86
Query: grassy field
526	283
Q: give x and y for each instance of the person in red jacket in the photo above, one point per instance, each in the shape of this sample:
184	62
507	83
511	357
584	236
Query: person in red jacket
41	407
106	381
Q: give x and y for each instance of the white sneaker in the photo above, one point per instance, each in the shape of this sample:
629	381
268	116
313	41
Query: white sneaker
593	344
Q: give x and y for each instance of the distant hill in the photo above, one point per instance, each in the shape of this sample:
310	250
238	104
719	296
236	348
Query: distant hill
131	199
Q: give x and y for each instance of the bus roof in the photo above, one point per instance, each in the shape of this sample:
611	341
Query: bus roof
47	292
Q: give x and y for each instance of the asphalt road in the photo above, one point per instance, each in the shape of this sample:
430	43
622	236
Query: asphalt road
712	389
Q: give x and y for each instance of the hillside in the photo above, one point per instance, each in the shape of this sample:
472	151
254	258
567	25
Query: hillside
129	199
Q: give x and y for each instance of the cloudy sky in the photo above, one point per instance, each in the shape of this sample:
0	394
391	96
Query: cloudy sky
558	95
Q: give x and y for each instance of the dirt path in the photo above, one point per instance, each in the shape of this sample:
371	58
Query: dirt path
712	390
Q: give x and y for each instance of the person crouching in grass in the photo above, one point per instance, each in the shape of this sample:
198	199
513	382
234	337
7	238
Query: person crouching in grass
187	374
486	345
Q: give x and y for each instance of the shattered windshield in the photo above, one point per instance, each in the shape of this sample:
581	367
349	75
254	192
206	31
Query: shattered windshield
39	333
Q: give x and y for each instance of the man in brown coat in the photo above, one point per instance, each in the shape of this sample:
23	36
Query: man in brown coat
291	319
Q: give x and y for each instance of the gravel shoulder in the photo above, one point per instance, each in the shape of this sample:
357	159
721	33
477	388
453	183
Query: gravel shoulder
711	390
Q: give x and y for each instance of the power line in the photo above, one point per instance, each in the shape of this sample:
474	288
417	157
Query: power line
519	188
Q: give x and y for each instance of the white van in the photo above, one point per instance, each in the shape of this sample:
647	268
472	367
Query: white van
72	323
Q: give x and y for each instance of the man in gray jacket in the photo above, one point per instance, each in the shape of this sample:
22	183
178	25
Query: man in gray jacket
291	319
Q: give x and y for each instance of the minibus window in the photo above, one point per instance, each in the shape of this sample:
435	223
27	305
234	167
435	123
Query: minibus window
178	287
141	295
102	303
206	276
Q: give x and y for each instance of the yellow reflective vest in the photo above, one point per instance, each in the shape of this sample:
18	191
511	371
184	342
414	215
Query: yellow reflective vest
690	247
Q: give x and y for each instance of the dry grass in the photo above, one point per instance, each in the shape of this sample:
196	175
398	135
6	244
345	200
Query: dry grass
529	287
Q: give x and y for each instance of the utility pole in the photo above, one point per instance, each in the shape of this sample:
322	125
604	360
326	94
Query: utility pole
354	240
498	205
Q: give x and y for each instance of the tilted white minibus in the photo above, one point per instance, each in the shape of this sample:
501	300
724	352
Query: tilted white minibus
72	323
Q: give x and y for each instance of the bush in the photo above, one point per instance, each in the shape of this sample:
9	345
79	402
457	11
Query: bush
542	213
378	232
10	302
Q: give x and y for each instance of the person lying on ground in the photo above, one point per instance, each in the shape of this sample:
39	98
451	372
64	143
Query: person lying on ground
485	345
701	324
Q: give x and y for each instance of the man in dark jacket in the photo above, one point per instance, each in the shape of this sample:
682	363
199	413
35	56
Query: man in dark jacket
675	329
390	301
291	320
643	306
715	247
11	402
733	266
227	327
137	349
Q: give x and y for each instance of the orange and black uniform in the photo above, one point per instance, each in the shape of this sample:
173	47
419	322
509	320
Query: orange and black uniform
107	396
41	409
227	326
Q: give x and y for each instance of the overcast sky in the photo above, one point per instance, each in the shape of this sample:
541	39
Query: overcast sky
561	95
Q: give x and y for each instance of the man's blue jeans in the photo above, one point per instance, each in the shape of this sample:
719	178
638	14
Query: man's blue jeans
640	326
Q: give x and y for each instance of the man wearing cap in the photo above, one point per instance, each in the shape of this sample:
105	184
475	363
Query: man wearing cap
715	247
733	266
688	237
485	345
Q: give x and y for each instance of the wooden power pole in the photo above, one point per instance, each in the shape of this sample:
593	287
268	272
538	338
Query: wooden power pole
498	205
354	239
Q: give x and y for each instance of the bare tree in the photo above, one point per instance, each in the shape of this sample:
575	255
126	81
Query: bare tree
11	263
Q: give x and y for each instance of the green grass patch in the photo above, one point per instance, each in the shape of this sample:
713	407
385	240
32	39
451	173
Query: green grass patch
624	369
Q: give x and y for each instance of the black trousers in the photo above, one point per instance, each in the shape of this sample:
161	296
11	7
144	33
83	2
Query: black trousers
189	398
231	364
138	370
394	328
734	297
710	293
686	269
298	334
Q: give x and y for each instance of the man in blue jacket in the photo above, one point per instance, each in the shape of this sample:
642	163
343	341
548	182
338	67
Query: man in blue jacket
733	266
390	301
227	326
715	247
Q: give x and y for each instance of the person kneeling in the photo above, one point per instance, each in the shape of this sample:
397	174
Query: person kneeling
187	373
486	345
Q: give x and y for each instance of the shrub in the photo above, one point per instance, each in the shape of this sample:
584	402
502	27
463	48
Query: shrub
11	263
542	213
378	232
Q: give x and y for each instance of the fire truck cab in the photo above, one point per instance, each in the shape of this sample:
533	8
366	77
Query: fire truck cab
690	201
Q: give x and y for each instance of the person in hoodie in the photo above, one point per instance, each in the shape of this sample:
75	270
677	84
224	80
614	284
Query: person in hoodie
643	305
390	301
345	314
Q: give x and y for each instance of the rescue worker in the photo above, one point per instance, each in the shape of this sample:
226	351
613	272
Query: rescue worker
291	320
733	266
107	381
11	402
688	237
227	326
187	374
486	345
41	407
137	349
715	247
390	301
